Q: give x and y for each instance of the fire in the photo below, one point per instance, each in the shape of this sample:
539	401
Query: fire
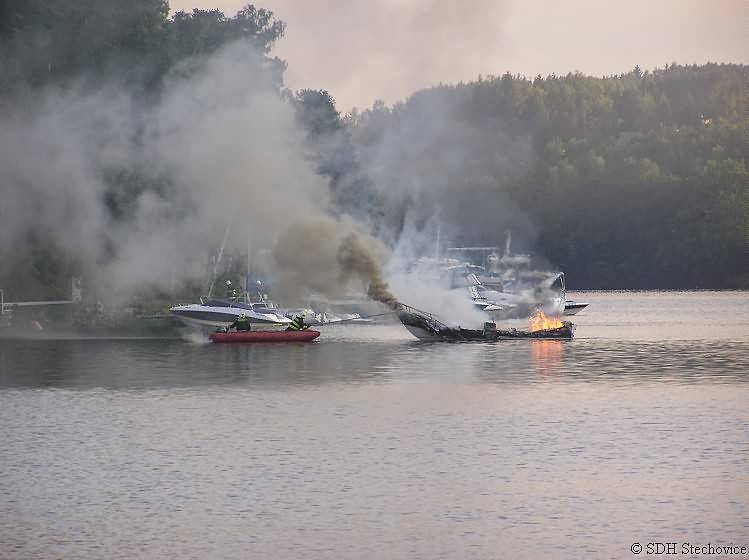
540	322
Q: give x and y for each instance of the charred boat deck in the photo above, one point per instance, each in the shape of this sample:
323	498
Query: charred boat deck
426	326
457	335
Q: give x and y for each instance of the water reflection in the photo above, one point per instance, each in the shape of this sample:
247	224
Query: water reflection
152	364
546	355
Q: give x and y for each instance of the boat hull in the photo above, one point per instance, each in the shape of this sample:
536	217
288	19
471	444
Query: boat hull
573	307
265	336
425	327
215	316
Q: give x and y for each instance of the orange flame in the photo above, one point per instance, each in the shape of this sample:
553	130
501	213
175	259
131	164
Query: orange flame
540	322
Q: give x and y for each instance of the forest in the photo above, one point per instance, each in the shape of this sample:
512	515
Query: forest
635	181
631	181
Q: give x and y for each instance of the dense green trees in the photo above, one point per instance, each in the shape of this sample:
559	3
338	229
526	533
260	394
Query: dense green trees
333	152
49	42
631	181
136	42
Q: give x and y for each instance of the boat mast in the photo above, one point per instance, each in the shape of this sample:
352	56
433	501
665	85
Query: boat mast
221	253
437	244
249	270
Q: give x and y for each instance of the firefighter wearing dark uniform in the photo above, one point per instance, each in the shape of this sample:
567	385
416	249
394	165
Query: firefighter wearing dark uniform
231	291
241	324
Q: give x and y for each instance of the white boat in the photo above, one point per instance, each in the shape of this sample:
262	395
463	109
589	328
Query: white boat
545	292
327	317
508	286
573	307
223	312
214	312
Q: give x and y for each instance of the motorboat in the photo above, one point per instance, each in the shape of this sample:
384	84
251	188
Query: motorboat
223	312
425	326
574	307
506	284
495	299
547	295
215	312
327	317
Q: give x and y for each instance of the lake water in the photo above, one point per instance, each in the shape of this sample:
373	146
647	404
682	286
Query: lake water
370	444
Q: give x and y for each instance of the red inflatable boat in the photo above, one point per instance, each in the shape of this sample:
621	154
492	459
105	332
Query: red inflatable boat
264	336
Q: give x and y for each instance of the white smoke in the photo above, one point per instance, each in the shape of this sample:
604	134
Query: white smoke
438	168
219	143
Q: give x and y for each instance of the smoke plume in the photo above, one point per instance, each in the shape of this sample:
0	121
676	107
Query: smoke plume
218	146
329	256
136	192
440	170
356	258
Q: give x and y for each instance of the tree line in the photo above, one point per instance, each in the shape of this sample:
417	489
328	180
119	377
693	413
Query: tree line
631	181
137	42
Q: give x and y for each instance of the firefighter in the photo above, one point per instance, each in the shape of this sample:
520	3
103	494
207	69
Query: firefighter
231	291
242	324
297	324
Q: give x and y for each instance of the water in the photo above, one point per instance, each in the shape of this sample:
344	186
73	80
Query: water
369	444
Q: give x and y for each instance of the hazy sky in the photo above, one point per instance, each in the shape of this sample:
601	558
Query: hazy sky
386	49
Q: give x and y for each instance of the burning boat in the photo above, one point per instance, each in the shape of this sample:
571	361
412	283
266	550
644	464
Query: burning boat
425	326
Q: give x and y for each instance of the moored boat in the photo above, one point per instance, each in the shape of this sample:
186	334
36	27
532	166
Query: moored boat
222	313
573	307
264	336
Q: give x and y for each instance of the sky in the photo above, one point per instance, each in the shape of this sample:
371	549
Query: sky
361	50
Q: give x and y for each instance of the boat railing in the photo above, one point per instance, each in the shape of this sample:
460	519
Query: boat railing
425	315
243	298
